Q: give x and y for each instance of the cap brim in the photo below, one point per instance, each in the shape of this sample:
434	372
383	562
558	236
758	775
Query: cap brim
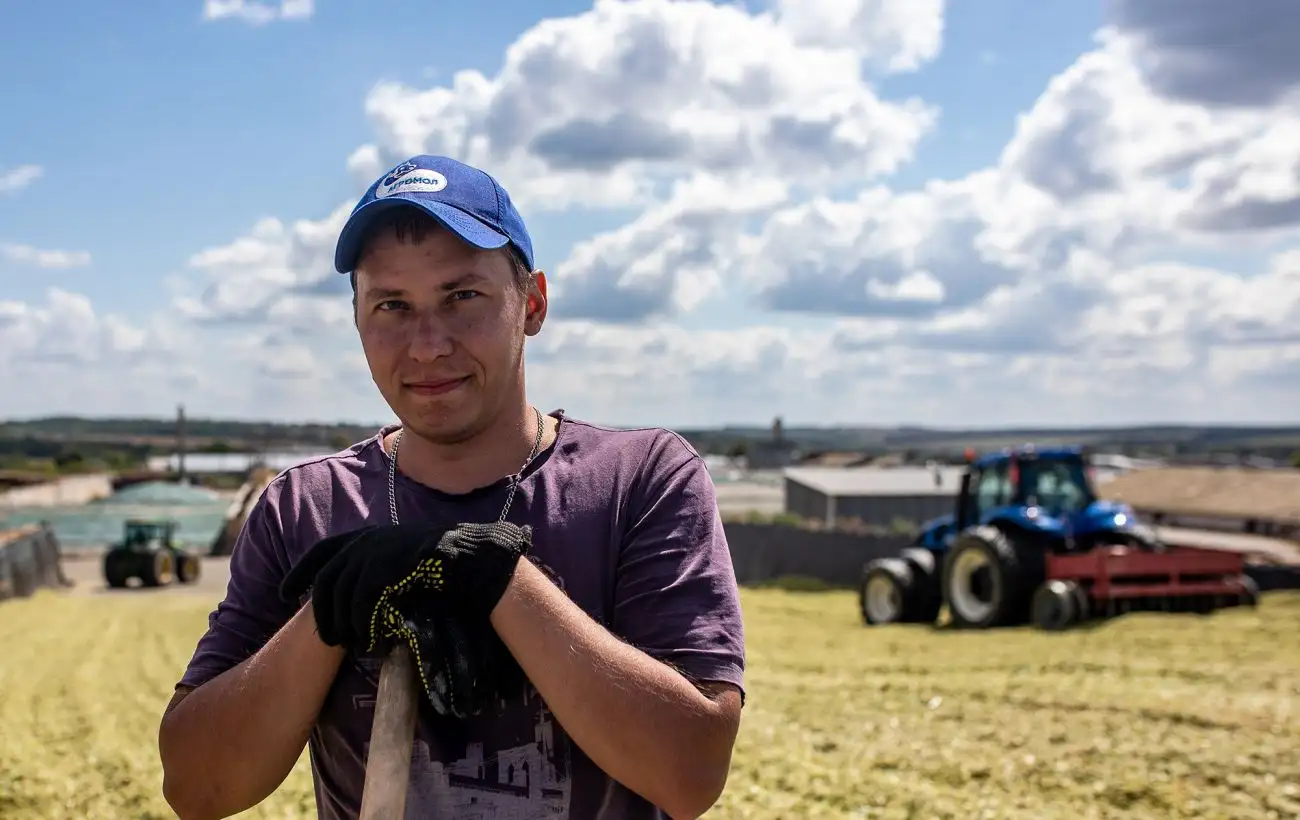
465	226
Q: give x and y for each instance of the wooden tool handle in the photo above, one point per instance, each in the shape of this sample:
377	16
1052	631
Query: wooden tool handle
388	764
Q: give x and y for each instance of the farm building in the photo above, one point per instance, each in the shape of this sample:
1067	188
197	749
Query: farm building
874	495
1262	501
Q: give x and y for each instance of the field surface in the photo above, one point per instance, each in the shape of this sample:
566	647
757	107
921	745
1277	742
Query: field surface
1149	716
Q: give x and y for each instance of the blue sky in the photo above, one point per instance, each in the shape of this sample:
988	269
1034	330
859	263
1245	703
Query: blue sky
161	134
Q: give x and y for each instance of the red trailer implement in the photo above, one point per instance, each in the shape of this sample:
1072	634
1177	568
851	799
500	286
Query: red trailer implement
1110	580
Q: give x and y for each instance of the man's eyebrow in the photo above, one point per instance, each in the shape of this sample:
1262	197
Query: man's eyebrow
471	278
465	279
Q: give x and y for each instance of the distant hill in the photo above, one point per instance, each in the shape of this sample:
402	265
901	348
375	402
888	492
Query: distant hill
1234	442
199	431
1194	442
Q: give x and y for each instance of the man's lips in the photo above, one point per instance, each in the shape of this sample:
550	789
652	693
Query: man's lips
435	388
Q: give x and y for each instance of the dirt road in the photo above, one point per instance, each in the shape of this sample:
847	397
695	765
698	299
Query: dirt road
86	571
1277	550
87	575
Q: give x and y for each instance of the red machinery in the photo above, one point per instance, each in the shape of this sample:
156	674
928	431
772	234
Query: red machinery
1111	580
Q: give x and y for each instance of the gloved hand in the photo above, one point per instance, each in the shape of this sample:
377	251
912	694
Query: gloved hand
354	577
432	589
463	665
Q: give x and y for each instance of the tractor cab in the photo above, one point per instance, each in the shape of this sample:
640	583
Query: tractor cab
1025	483
1047	494
142	534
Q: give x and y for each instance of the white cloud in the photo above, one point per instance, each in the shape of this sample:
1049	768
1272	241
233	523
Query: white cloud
66	329
15	179
256	12
277	273
689	109
897	35
670	259
604	107
1132	254
1112	149
43	258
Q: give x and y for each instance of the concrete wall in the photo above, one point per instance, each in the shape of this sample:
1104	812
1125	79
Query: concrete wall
765	552
70	491
29	560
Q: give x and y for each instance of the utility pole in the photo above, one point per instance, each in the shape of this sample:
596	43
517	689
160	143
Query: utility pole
180	441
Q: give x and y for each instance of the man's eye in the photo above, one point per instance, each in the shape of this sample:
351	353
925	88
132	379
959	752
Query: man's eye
391	304
460	295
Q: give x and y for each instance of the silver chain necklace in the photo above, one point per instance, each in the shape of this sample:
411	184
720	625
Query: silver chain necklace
514	479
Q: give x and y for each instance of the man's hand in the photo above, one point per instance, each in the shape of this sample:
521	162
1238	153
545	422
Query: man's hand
430	588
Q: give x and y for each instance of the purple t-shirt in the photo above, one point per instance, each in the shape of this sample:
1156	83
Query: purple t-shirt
628	522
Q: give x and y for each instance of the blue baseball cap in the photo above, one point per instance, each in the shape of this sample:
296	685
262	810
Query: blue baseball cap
465	200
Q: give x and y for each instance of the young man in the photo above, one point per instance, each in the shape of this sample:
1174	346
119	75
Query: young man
624	615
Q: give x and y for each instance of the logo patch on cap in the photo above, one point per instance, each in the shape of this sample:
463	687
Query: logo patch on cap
410	178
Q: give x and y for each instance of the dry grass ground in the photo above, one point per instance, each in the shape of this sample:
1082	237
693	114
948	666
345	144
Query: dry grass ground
1148	716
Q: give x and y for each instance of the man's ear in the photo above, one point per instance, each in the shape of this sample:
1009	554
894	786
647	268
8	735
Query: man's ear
536	305
356	319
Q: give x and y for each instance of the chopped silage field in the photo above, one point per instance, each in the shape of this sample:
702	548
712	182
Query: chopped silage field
1148	716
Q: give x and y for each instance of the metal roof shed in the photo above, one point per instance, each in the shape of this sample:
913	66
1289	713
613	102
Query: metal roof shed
874	495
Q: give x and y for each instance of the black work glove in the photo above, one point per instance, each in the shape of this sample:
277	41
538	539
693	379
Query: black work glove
355	577
430	588
463	665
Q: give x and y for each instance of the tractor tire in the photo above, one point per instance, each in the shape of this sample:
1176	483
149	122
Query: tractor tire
929	597
988	579
188	567
159	568
887	592
116	572
1056	605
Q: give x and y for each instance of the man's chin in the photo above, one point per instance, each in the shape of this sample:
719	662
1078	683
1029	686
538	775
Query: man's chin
440	423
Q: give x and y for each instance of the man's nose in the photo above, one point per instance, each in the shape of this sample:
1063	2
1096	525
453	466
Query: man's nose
432	339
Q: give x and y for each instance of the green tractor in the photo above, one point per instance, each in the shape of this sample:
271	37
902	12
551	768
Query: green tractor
148	551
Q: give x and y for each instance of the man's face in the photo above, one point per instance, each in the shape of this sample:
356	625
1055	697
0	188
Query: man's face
442	325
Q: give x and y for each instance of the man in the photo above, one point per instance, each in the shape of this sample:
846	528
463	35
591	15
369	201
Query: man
624	615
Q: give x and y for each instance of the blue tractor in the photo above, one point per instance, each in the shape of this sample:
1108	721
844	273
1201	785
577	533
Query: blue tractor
987	560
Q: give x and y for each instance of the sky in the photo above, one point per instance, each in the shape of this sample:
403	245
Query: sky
868	212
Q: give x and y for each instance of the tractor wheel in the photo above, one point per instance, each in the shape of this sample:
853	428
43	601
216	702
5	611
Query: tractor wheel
887	592
988	579
116	572
1055	605
929	598
188	567
159	568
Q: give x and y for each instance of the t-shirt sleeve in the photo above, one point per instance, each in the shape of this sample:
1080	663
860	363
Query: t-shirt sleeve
251	612
675	592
